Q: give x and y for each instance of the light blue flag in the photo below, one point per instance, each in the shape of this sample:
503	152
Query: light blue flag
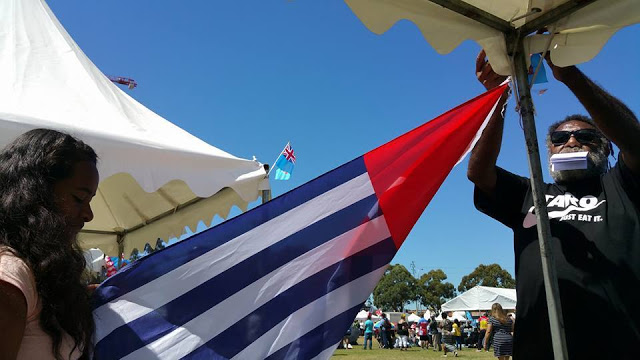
470	318
285	162
541	77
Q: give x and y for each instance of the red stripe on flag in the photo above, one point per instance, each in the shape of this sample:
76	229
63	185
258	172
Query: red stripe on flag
407	171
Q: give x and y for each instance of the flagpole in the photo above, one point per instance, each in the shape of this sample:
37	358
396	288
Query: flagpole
549	272
515	48
274	163
266	193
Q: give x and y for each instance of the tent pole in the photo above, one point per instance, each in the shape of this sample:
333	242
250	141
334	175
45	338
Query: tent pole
266	193
120	240
544	230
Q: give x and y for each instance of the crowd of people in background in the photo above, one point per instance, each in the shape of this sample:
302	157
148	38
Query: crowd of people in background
490	330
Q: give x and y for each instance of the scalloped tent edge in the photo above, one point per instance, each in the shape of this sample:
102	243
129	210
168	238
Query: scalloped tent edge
578	38
156	178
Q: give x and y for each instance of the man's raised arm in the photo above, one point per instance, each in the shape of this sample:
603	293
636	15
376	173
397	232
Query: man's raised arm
616	121
482	163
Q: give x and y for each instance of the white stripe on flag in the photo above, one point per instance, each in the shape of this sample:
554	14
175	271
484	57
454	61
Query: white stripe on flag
156	293
308	317
476	137
201	329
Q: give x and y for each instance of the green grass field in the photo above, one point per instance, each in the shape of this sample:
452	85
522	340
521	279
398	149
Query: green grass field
414	353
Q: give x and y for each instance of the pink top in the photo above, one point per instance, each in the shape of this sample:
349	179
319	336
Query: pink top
36	344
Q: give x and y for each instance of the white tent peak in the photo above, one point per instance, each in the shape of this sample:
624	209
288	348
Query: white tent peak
482	298
149	167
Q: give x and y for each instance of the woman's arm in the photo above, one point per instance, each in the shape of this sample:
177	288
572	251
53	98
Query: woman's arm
13	318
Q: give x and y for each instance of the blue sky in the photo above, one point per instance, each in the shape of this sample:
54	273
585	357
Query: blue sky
248	76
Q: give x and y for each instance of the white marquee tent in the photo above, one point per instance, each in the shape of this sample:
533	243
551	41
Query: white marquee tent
155	177
95	259
413	318
456	315
481	298
362	316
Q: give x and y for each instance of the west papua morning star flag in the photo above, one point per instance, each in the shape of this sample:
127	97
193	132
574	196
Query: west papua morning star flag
286	279
284	163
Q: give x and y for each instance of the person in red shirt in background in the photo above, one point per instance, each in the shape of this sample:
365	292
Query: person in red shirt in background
483	323
423	332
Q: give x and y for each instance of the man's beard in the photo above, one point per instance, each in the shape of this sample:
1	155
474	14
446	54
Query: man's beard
597	164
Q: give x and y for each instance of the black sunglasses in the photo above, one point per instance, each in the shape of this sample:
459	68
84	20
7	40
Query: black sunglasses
583	136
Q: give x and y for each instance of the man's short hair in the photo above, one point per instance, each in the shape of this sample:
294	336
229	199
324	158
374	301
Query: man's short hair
574	117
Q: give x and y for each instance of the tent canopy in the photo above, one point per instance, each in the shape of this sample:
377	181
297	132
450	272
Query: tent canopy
155	177
481	298
456	315
362	316
95	259
577	38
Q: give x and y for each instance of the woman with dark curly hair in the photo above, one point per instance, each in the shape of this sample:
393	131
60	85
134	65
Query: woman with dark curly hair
47	180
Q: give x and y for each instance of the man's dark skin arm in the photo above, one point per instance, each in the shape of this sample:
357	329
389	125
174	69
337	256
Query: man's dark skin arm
613	118
482	162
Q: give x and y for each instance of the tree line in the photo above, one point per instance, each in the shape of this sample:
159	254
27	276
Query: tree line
398	287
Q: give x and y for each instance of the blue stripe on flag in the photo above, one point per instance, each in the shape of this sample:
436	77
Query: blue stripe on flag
317	340
130	278
179	311
237	337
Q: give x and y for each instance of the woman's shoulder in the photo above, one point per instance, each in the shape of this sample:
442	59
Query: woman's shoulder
12	265
15	271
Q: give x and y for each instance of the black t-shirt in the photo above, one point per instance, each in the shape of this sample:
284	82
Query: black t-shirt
433	326
595	228
403	328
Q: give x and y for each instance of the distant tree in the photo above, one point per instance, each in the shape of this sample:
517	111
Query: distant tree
487	275
433	291
396	288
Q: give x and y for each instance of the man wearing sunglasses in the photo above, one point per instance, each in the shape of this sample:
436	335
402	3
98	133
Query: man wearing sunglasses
594	216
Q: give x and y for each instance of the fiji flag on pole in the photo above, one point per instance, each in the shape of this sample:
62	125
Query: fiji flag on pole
285	279
284	163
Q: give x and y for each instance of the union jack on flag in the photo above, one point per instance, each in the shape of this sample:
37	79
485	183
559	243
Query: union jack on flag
285	279
284	163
